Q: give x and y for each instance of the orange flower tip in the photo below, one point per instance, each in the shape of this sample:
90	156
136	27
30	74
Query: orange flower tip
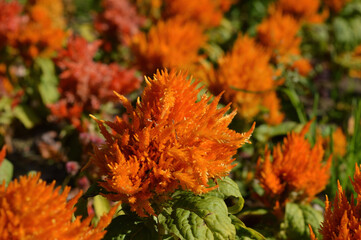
147	80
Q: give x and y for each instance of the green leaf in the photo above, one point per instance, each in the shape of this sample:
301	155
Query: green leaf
101	206
229	191
245	233
26	115
81	205
296	102
197	217
6	171
127	227
264	132
48	81
342	30
297	219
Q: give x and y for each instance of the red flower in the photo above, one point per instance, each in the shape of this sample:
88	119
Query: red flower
85	84
118	21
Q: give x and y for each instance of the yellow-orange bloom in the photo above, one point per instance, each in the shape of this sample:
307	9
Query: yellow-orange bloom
169	44
355	72
339	142
303	10
30	209
296	172
42	33
247	79
343	221
336	5
278	33
171	142
302	66
207	13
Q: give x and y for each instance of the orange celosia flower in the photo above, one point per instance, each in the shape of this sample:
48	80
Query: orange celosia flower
247	68
355	72
30	209
40	34
207	13
296	172
336	5
304	10
303	66
344	220
278	33
339	142
55	11
164	45
171	142
2	154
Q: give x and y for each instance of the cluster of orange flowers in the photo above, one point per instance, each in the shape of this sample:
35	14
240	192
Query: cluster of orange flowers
336	5
278	33
85	84
344	219
164	46
248	80
171	142
207	13
175	40
39	31
296	173
30	209
305	10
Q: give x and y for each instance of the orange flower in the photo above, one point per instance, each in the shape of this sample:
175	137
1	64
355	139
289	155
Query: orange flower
303	66
336	5
304	10
171	142
344	220
339	142
247	68
2	154
165	46
355	72
278	33
207	13
40	34
30	209
296	172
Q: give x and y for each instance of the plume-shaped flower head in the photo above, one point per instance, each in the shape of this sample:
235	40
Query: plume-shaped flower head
207	13
296	173
172	141
246	76
304	10
42	33
86	84
169	44
31	209
342	219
